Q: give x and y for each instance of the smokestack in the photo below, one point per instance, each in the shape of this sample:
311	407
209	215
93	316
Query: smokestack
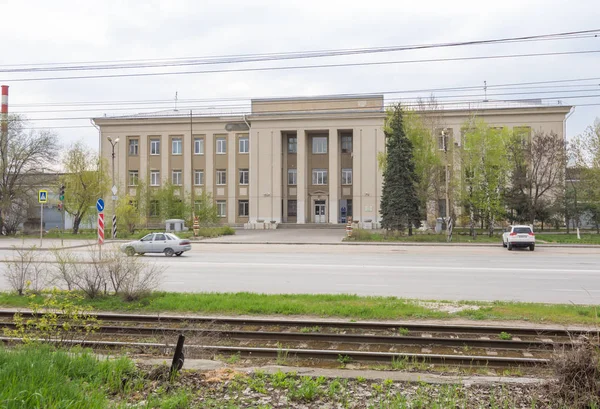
4	112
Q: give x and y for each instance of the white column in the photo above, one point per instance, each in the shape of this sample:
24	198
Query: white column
232	177
253	188
334	175
209	171
357	211
276	185
301	176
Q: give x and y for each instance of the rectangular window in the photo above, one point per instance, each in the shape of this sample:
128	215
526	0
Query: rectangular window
221	177
244	176
346	176
133	178
198	177
198	146
176	144
154	178
319	176
221	146
346	143
154	147
221	208
319	144
176	178
292	177
154	208
243	208
292	144
244	144
133	147
292	208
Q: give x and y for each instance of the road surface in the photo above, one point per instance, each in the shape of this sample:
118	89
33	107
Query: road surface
553	275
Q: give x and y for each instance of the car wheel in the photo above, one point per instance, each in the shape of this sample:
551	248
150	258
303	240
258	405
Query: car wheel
532	247
130	251
169	252
509	246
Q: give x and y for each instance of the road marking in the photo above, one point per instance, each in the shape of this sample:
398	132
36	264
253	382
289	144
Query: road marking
517	270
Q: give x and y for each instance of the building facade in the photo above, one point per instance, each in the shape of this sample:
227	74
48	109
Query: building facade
297	160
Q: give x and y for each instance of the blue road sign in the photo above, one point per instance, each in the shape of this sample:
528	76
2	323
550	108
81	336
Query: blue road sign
43	196
100	205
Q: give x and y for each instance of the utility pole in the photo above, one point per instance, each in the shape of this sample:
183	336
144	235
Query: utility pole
114	187
447	194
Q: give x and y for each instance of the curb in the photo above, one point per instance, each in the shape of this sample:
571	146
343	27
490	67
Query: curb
48	248
396	244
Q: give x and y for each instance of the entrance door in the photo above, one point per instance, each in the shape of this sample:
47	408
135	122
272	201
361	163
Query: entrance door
320	211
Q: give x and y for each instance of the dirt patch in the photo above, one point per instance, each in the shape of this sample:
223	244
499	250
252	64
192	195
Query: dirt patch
450	308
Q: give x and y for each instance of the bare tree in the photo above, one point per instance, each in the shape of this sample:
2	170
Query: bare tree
22	154
23	272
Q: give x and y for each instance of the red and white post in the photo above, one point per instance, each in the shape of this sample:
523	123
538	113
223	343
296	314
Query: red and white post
100	228
4	111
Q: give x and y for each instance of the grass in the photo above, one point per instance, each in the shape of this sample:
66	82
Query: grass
463	237
40	377
87	234
344	306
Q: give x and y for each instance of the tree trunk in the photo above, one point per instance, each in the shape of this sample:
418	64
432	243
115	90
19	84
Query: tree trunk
472	231
410	229
542	225
76	223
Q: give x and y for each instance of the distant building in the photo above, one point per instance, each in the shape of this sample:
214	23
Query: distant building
296	160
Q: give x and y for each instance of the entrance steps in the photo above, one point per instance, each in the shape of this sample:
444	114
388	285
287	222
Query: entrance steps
309	226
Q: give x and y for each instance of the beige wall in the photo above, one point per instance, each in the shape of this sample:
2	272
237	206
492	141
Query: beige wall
268	160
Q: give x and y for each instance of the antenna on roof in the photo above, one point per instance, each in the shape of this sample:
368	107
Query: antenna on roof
175	100
485	91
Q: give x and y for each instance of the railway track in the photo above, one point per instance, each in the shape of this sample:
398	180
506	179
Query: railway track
330	340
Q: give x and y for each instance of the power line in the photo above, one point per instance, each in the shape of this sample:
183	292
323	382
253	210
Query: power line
229	59
339	65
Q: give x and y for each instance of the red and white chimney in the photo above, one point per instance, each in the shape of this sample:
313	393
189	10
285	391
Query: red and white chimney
4	112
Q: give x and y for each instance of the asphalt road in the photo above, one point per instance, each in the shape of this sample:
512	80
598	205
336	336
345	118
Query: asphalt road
553	275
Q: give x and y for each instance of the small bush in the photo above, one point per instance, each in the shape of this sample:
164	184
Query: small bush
216	231
24	273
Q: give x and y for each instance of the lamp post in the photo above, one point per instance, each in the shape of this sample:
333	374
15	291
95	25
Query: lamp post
446	177
113	144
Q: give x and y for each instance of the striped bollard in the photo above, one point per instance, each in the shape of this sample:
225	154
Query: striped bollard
100	228
114	226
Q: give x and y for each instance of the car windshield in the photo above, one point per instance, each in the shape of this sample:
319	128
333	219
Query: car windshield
172	236
522	230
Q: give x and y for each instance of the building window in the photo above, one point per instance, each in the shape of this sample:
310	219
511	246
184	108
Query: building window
176	144
154	178
198	146
133	178
244	144
523	133
133	147
346	143
319	144
154	147
442	138
221	208
346	176
154	208
292	144
292	177
292	208
221	177
176	177
243	208
198	177
319	176
221	146
244	176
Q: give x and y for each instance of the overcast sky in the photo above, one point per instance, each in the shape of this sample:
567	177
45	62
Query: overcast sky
35	32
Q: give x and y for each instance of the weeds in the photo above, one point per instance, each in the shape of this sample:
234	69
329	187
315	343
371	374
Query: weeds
344	360
505	336
403	331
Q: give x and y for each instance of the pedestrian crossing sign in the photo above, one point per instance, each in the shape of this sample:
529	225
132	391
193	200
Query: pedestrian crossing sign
43	196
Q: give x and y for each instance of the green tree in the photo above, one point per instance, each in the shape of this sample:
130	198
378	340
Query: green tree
399	199
483	160
205	209
84	182
172	201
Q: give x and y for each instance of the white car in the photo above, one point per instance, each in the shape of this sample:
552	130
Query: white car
166	243
519	236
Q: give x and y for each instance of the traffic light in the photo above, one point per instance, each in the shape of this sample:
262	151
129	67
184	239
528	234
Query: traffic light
60	207
61	195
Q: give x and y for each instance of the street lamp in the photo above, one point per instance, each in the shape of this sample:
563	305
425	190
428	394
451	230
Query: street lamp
113	144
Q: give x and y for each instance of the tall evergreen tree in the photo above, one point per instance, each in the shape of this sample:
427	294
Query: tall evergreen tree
399	199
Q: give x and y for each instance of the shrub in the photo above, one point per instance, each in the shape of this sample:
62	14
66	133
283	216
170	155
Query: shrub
23	272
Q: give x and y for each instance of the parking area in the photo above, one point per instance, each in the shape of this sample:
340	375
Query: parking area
314	236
